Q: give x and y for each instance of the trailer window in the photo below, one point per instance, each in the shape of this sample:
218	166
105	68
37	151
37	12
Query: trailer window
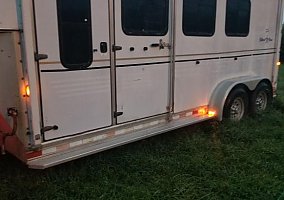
238	18
75	33
145	17
199	17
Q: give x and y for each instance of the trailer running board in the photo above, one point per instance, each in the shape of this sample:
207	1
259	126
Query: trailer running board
95	147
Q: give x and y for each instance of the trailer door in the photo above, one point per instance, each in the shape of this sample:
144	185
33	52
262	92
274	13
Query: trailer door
142	58
75	78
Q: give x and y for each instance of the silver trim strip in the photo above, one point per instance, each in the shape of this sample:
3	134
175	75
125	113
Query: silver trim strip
112	61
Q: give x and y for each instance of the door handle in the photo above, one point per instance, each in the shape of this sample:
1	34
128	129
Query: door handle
39	57
116	48
48	128
117	114
161	44
155	45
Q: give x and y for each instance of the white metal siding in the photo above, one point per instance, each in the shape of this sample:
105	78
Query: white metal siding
8	14
76	101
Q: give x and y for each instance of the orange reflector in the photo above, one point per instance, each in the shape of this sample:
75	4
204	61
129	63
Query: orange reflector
28	91
202	111
211	113
278	63
33	154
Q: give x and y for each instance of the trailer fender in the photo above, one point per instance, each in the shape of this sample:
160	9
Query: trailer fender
222	90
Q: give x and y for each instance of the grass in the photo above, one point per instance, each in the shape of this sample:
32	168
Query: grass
206	161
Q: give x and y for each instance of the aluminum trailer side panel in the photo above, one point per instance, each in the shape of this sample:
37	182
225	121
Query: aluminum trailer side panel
8	15
137	85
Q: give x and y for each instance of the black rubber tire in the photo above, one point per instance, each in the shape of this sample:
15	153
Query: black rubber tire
236	95
257	105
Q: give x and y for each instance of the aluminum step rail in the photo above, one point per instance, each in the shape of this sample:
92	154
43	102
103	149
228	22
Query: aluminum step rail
95	147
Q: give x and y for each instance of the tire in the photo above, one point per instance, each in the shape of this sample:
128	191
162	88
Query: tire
260	98
236	105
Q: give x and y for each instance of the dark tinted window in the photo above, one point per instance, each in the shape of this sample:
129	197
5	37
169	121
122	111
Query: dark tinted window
238	17
75	33
145	17
199	17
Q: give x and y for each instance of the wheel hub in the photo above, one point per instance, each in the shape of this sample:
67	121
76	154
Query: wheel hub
237	109
261	101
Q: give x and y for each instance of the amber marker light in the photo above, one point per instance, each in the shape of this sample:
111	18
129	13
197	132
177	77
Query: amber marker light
278	64
202	111
27	91
211	113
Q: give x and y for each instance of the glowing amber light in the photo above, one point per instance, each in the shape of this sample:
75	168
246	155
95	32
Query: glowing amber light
28	91
202	111
211	113
278	63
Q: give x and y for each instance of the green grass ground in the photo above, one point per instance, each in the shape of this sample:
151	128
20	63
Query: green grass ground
206	161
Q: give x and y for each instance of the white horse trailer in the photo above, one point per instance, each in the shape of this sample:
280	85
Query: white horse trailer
82	76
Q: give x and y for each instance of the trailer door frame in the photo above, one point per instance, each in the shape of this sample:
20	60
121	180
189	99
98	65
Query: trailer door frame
144	61
74	99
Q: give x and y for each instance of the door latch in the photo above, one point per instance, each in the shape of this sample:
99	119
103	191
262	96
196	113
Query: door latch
48	128
116	48
39	57
117	114
161	44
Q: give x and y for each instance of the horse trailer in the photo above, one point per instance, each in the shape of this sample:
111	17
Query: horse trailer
82	76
